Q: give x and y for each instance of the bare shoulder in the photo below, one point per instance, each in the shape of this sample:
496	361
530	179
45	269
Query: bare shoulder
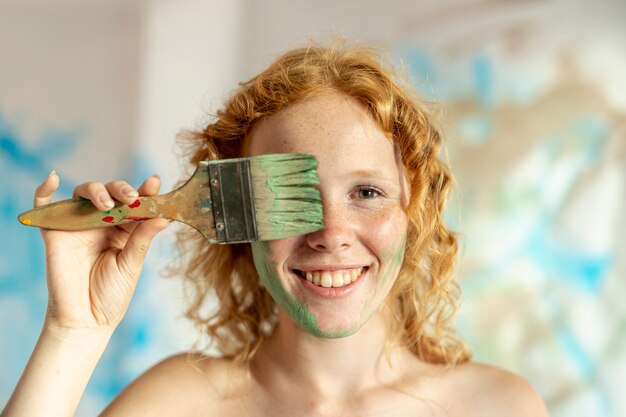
486	390
180	385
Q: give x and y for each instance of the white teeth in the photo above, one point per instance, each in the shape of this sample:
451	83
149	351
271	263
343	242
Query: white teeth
335	279
327	280
316	278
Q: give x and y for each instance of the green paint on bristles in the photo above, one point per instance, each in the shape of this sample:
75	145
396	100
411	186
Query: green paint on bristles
285	201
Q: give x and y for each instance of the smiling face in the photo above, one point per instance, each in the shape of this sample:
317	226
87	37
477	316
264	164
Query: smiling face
332	281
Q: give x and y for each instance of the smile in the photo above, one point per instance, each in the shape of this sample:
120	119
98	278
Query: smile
328	279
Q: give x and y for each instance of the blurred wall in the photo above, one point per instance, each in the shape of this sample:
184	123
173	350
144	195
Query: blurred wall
69	83
531	100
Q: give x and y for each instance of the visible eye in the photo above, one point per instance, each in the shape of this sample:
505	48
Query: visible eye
366	192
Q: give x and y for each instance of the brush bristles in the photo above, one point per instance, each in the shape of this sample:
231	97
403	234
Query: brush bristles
286	203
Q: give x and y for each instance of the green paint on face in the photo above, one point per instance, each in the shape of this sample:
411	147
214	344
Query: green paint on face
299	313
337	334
393	264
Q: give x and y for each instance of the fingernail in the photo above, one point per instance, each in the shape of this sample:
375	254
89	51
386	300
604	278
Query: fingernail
156	176
106	201
53	172
129	192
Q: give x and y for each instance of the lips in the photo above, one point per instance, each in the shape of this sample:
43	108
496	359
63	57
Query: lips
335	278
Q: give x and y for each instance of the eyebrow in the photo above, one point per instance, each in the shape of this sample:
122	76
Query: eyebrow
372	173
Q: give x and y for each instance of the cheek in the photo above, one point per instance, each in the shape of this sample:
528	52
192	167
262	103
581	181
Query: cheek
266	256
280	249
387	237
386	231
265	266
265	262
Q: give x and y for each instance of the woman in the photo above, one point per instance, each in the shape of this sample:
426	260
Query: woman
351	320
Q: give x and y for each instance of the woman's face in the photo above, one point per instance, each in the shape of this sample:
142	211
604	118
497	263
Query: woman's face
331	282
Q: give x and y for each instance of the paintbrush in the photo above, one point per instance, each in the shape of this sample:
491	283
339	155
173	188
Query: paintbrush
229	201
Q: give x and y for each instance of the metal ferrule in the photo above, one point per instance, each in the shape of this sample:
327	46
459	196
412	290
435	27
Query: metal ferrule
233	203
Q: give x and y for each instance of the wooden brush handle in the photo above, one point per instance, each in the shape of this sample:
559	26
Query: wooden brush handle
190	204
80	214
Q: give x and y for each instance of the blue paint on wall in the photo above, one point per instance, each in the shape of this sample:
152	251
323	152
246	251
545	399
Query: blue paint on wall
574	267
35	163
27	161
424	74
482	72
581	359
476	129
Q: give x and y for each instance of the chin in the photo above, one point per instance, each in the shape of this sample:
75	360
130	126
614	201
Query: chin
336	331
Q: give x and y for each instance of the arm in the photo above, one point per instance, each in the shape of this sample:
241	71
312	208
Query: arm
57	372
91	276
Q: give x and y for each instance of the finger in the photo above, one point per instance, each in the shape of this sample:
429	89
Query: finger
43	193
122	191
97	193
150	186
130	259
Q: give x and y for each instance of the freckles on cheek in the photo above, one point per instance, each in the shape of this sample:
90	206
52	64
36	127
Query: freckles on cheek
388	233
387	227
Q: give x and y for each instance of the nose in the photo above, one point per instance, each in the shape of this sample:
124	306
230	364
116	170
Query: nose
338	232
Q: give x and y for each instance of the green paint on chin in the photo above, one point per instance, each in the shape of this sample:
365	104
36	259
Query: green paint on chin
338	334
266	268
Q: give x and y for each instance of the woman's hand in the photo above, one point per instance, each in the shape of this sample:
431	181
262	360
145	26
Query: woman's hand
92	274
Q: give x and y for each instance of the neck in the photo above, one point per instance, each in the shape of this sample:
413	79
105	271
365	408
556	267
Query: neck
328	368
